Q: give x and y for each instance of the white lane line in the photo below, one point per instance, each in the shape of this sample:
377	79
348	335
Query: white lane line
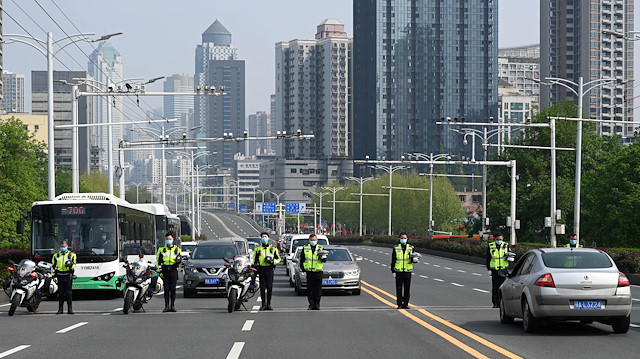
426	263
236	350
435	265
424	276
259	299
438	280
62	331
14	350
447	268
386	253
631	325
117	309
634	299
481	290
5	305
377	262
247	325
366	259
476	273
255	308
462	271
178	286
457	284
384	265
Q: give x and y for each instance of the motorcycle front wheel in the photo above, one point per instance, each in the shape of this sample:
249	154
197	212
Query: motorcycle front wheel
128	302
15	302
233	297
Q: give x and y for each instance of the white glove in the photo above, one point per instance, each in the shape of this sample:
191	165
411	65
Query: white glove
394	275
489	272
510	259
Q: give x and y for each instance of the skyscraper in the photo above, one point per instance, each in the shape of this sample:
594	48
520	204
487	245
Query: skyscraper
416	61
13	92
258	126
574	45
313	92
217	65
105	66
275	124
178	107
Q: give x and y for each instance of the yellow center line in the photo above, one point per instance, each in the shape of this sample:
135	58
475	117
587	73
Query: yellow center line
461	330
437	331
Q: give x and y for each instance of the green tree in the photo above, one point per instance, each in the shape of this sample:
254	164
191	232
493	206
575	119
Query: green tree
139	195
95	182
63	180
23	178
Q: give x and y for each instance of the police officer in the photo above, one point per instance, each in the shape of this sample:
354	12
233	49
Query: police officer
573	241
62	267
401	267
168	258
497	261
265	258
311	264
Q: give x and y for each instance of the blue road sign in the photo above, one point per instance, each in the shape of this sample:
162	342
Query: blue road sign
269	207
295	207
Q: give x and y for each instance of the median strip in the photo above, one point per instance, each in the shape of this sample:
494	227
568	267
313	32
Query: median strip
67	329
14	350
460	330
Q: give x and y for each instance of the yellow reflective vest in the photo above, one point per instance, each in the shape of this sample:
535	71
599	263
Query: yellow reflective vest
168	256
403	258
312	262
59	262
262	252
498	256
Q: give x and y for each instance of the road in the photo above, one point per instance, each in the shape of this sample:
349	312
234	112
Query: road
220	224
451	317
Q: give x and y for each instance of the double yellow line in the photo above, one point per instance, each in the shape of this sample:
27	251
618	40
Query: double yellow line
371	289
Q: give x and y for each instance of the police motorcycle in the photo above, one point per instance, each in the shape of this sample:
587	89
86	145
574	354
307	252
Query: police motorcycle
241	281
28	284
141	282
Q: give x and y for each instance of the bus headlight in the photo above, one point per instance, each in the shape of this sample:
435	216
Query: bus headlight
105	277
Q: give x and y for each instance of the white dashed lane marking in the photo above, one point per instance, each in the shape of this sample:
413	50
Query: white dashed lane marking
438	280
247	325
236	350
424	276
481	290
14	350
67	329
457	284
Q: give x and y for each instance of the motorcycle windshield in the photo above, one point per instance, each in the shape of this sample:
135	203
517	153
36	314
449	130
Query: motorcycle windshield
26	267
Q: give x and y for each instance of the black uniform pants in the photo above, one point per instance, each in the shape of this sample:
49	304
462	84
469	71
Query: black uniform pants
403	284
496	282
170	278
65	283
266	284
314	289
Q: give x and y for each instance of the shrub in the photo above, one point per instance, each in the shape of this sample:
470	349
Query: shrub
15	255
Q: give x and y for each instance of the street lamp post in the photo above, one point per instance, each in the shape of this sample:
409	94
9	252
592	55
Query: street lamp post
390	169
361	181
333	190
431	157
280	216
262	192
320	194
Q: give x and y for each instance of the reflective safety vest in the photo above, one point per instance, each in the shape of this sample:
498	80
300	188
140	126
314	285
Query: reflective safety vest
262	252
577	245
312	261
168	256
59	262
498	256
403	259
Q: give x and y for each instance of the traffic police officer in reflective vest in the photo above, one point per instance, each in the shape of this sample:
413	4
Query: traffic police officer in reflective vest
62	266
265	258
168	258
401	267
497	265
573	241
311	265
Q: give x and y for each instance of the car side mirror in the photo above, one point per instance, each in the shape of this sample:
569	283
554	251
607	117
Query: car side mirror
359	259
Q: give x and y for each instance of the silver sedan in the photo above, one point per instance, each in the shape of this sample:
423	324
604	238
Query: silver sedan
341	272
559	284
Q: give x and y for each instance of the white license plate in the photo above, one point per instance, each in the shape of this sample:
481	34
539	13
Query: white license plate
587	304
211	280
329	282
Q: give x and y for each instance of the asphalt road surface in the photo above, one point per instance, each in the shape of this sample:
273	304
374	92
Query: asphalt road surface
451	317
221	224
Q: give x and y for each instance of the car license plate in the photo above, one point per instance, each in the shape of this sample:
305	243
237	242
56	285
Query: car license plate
587	304
329	282
211	281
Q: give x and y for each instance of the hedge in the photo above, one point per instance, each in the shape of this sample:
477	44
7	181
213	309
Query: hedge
627	260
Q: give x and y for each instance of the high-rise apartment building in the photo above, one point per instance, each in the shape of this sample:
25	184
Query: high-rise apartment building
105	66
13	92
88	153
518	65
258	126
416	61
179	107
577	41
313	92
217	65
275	124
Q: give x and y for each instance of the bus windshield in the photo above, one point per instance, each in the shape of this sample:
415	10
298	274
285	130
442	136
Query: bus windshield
89	229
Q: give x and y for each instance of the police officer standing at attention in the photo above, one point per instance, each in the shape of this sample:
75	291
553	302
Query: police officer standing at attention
311	264
265	258
573	241
401	267
63	265
497	264
168	258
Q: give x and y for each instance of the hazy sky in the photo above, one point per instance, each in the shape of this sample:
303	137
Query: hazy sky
160	35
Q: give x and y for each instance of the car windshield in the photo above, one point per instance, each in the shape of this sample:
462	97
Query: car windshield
576	259
303	242
214	252
257	240
338	255
188	247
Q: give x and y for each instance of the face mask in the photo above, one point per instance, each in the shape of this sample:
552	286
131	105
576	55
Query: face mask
169	242
403	241
498	242
104	238
573	242
313	243
63	249
265	240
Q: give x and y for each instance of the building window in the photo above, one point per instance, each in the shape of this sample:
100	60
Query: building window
293	170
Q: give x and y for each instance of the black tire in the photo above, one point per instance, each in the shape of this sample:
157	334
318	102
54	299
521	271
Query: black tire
504	318
291	284
621	325
137	306
188	293
530	323
233	297
36	303
128	302
15	302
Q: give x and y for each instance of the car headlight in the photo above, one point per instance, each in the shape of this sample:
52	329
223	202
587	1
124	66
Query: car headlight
352	273
190	269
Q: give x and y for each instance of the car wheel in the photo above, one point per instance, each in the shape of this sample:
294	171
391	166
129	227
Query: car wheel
621	325
287	270
504	318
298	290
530	323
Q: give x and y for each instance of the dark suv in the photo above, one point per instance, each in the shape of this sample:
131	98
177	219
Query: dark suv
204	271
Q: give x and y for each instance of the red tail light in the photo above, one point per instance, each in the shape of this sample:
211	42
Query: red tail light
33	274
623	281
227	266
125	266
38	256
545	280
11	269
141	255
149	272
